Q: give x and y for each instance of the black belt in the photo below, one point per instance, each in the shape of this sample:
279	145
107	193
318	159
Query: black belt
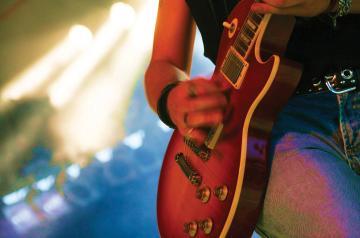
343	81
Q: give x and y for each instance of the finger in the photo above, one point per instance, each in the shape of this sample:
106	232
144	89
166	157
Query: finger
283	3
204	118
201	86
207	102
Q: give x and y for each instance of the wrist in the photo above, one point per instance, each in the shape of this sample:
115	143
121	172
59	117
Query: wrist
162	108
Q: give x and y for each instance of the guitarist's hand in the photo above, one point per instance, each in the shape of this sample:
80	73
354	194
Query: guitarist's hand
195	104
306	8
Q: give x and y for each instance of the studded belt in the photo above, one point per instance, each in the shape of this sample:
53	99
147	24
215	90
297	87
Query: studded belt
343	81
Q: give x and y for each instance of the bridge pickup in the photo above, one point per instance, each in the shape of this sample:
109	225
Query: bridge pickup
190	173
201	151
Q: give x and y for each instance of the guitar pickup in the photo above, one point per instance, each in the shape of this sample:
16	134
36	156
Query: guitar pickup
190	173
201	151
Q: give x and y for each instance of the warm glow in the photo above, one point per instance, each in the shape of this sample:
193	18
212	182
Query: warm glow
61	91
122	13
80	36
91	121
31	79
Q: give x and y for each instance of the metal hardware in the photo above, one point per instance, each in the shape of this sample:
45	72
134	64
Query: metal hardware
234	67
316	82
190	173
191	228
206	225
221	192
203	194
330	77
338	82
347	74
201	151
331	86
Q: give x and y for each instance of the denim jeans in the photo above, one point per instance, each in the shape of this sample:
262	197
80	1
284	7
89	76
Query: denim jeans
314	185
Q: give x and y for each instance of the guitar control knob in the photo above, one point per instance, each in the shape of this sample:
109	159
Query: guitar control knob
206	225
191	228
203	194
221	192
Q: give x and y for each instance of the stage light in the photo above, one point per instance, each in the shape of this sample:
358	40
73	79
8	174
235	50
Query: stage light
45	184
104	155
55	205
135	140
92	119
22	217
15	197
80	36
66	86
73	171
38	74
122	13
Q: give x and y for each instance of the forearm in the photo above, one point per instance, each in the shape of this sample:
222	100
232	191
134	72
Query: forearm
158	75
172	50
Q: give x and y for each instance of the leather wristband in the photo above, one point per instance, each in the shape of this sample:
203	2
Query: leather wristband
162	109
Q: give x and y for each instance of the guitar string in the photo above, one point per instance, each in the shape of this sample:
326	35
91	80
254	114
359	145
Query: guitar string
218	211
189	154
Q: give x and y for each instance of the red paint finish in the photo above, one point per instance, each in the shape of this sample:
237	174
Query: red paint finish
177	202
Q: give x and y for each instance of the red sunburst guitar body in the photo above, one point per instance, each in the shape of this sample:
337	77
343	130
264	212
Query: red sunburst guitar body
217	189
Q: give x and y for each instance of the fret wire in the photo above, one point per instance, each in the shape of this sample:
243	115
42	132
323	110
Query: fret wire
245	39
241	46
256	17
252	24
246	34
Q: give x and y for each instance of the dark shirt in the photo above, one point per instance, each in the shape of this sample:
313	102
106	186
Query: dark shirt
314	42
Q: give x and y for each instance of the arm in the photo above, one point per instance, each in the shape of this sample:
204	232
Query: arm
306	8
172	49
192	104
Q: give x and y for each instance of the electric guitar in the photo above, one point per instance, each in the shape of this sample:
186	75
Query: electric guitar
217	189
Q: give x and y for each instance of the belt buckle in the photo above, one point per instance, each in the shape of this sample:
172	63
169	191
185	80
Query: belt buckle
339	86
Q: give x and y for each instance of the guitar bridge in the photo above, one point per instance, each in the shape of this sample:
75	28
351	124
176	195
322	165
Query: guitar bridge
190	173
201	151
